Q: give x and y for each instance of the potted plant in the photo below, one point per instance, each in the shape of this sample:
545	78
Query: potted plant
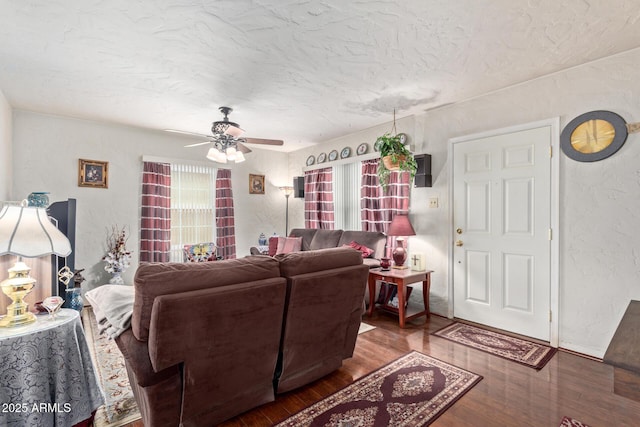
394	155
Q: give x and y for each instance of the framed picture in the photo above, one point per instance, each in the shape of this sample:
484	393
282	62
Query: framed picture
93	173
256	184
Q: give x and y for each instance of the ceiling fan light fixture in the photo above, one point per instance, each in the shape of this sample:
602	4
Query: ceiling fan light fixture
231	154
239	157
216	155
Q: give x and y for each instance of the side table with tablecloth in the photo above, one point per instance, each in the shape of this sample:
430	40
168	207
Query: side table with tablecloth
46	373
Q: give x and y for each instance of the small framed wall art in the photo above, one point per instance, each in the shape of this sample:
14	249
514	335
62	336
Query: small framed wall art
93	173
256	184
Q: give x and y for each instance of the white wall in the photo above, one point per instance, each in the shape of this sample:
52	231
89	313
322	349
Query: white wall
48	149
5	149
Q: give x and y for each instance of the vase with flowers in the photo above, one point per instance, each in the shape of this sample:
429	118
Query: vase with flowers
118	257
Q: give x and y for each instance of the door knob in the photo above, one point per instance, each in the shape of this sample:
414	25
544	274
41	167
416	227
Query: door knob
458	242
459	230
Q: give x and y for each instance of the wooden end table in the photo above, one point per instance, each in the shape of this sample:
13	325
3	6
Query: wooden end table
401	278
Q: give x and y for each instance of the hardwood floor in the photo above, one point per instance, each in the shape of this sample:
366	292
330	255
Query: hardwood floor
509	395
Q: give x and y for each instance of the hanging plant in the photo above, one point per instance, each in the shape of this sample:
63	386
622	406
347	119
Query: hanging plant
394	156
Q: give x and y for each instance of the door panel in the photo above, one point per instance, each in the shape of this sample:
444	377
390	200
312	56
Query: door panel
502	204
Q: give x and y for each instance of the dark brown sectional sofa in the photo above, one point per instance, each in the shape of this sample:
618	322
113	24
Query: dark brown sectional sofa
211	340
314	239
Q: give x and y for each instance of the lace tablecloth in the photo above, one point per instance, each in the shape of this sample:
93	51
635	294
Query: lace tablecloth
46	374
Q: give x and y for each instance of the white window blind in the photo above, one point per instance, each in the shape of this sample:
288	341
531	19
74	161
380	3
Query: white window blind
193	218
346	189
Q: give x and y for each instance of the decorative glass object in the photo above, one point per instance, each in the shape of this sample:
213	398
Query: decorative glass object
74	298
38	199
52	304
262	240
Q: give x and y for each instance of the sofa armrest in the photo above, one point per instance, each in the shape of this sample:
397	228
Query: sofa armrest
136	354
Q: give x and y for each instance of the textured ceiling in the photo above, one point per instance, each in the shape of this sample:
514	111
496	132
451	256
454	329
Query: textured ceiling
299	70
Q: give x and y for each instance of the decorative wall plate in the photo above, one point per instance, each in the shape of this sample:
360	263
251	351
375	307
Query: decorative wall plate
593	136
362	149
376	145
333	154
403	138
311	160
346	152
322	157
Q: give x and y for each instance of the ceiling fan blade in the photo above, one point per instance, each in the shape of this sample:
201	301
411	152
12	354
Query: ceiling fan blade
264	141
197	144
184	132
234	131
242	148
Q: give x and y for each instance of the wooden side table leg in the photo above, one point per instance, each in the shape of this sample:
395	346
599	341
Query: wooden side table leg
426	288
371	281
401	302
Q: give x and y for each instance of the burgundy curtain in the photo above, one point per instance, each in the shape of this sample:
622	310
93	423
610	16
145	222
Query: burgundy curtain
318	199
155	219
225	223
378	207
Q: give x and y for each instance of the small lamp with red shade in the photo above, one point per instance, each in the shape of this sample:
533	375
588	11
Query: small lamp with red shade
400	227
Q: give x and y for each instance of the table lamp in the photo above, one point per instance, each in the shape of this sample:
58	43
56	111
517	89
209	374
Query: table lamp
26	232
400	227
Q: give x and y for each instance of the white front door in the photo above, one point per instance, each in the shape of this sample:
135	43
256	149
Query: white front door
501	229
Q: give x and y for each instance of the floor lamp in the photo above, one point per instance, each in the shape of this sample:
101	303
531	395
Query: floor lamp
288	191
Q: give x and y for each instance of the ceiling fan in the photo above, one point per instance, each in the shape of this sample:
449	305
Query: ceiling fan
227	141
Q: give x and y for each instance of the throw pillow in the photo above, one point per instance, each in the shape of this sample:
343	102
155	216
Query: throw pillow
273	245
289	244
366	252
200	252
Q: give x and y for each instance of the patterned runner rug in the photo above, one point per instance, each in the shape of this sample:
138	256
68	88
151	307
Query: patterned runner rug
518	350
570	422
120	407
410	391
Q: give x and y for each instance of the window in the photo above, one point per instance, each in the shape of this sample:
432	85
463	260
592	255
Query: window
193	208
346	189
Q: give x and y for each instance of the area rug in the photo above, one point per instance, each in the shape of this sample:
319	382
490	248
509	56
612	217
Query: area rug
365	327
515	349
570	422
410	391
120	407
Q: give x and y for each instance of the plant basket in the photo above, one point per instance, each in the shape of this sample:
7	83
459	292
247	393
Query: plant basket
390	164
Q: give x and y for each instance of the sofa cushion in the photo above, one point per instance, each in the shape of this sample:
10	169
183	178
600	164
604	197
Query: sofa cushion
306	234
154	279
296	263
323	239
288	244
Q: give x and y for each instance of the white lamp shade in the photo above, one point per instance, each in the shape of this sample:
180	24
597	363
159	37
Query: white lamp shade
215	155
231	154
239	157
28	232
